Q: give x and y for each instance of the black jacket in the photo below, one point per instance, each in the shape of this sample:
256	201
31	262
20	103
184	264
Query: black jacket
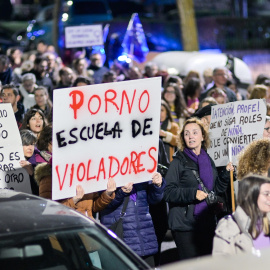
180	192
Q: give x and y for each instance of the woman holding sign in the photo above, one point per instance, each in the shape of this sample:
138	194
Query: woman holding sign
191	179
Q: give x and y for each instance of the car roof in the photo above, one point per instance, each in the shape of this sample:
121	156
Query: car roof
21	213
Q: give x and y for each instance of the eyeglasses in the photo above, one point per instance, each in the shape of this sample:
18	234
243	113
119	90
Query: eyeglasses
266	193
267	129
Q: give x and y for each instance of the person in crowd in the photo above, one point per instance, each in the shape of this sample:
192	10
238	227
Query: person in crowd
40	71
206	101
109	76
134	73
66	75
191	220
248	228
80	68
97	68
5	70
42	47
15	57
259	91
173	79
53	68
34	120
231	83
192	91
255	158
175	98
219	95
266	129
169	130
28	142
10	94
192	74
208	78
204	114
261	78
220	76
82	81
42	101
139	233
150	70
26	90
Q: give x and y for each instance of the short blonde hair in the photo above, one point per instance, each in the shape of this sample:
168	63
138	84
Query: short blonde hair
205	134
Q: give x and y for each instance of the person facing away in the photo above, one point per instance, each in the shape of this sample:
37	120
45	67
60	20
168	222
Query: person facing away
247	230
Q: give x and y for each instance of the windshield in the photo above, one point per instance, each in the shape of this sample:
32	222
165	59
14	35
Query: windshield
84	248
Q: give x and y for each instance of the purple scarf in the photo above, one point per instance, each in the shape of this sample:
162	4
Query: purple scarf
205	172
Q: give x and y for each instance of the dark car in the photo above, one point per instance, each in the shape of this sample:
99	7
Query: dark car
41	234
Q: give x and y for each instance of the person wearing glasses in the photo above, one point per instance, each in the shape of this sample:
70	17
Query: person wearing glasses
247	230
266	130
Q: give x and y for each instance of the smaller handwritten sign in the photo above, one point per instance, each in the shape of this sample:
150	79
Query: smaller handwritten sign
83	36
12	176
234	125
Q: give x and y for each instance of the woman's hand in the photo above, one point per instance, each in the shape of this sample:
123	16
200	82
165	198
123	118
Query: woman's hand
229	167
111	187
27	166
79	194
157	179
127	188
200	195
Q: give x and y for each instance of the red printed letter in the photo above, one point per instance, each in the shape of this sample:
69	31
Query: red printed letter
76	105
99	101
110	99
139	163
124	94
148	101
81	165
111	158
133	159
155	162
88	166
101	168
71	175
59	180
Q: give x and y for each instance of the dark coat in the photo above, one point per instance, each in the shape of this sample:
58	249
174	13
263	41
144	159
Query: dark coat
181	190
139	233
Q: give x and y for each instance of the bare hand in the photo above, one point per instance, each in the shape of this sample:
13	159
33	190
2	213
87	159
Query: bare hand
157	179
200	195
127	188
162	133
27	166
230	167
79	194
111	187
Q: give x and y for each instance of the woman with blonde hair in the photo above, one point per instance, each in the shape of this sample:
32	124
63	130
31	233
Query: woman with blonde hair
259	91
192	175
255	158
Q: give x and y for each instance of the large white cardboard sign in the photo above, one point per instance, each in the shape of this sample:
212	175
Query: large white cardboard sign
12	175
102	131
233	126
83	36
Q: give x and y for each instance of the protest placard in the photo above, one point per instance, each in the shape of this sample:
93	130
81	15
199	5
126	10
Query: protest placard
233	126
102	131
12	175
83	36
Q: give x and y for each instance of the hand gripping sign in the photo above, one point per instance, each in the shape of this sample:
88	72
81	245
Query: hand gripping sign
102	131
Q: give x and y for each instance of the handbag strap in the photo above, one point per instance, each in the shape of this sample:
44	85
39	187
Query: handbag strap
204	188
124	206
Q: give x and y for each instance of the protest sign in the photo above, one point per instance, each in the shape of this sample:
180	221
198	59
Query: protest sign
83	36
12	176
233	126
102	131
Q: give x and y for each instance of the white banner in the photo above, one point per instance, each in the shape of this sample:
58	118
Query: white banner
83	36
233	126
102	131
12	176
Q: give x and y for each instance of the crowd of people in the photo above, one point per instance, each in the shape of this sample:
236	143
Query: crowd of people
28	81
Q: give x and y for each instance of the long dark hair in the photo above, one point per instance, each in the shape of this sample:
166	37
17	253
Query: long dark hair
179	103
190	89
29	115
248	194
